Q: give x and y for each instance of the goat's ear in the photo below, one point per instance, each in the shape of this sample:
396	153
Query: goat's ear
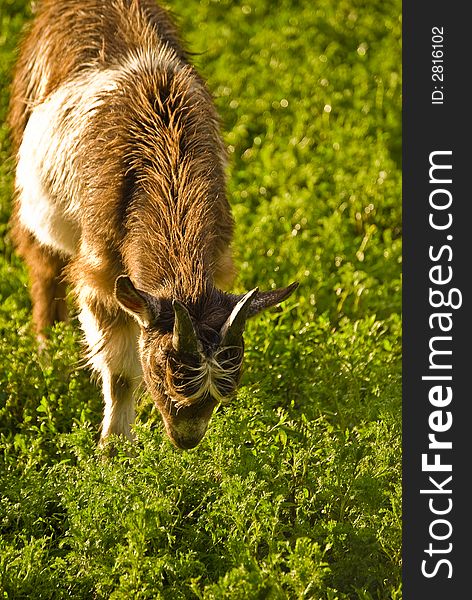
263	300
141	305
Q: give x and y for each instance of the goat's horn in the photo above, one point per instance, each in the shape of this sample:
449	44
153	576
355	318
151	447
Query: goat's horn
233	328
184	338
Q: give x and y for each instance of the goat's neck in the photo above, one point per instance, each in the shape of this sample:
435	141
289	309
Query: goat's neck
175	268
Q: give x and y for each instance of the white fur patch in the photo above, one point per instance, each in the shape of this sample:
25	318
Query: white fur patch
47	179
118	414
116	352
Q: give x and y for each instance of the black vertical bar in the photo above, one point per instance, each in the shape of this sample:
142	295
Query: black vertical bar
436	118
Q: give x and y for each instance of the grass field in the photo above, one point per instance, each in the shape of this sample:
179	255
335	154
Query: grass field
295	492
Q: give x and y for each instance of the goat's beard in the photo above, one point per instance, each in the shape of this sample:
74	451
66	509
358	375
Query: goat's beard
216	377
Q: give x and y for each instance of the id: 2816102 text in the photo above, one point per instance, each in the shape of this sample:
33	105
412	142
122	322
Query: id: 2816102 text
437	65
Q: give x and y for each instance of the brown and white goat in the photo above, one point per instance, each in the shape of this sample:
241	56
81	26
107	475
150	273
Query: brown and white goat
120	189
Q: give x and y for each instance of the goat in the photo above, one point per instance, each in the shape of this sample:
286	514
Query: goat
120	193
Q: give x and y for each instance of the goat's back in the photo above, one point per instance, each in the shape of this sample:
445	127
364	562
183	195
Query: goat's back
106	105
70	36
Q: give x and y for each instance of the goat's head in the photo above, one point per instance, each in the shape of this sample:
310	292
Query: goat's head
191	353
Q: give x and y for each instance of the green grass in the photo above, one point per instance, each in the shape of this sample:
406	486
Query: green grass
295	492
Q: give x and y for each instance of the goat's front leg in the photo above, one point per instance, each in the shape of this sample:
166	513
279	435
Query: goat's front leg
112	351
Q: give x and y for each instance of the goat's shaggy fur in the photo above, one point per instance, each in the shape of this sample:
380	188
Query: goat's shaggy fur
121	170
